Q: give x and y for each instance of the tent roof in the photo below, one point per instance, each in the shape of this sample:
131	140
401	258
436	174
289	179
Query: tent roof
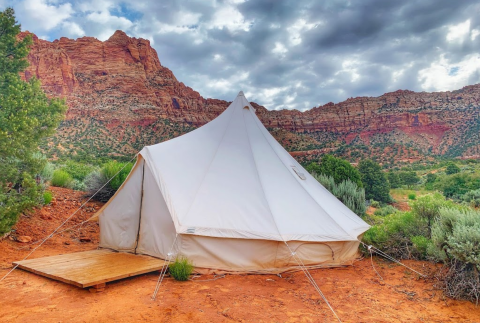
231	178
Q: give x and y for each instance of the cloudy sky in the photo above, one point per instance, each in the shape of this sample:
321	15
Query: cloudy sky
285	54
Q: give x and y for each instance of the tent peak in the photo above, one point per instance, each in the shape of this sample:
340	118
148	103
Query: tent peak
240	93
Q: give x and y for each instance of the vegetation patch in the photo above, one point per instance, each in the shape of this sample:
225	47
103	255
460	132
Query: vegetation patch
181	268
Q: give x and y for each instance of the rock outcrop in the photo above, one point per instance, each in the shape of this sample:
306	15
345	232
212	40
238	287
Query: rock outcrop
120	98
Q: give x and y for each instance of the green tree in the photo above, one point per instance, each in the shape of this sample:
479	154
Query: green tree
409	178
431	178
452	169
340	169
375	182
26	116
394	179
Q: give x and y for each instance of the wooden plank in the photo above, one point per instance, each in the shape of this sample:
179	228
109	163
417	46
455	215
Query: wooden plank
91	268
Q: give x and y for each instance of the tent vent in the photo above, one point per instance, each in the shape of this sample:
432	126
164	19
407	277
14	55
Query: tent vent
246	107
191	230
301	175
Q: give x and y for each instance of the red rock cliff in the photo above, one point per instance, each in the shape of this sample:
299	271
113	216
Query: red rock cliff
121	82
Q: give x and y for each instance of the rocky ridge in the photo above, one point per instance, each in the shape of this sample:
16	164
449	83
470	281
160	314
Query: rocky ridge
120	98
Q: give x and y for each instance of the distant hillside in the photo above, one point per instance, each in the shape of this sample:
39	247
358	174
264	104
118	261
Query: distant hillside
121	98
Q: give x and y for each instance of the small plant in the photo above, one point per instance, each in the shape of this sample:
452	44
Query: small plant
412	196
61	178
47	197
181	268
374	203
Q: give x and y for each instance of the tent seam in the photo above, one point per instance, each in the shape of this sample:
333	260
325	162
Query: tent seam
258	175
209	165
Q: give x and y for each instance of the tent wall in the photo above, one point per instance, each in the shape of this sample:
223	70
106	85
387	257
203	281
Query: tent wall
220	255
119	218
157	231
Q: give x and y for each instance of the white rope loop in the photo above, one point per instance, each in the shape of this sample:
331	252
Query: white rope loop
63	223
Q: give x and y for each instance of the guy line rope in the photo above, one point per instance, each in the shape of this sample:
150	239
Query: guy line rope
311	279
63	223
164	269
386	256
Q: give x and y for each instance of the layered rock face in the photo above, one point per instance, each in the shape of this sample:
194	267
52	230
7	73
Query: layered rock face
120	95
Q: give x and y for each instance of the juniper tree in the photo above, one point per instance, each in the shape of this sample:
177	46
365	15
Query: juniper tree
26	117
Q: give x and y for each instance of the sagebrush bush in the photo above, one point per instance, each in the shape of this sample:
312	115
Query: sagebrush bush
472	197
347	191
456	232
428	207
61	178
47	197
456	236
412	196
47	172
181	268
386	210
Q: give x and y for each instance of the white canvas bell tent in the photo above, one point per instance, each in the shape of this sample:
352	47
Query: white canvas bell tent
231	199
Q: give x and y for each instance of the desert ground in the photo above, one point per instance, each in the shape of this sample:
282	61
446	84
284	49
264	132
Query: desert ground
357	293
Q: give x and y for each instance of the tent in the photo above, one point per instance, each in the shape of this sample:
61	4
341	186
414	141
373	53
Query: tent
231	199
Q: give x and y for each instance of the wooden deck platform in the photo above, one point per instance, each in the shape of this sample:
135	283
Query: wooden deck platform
91	268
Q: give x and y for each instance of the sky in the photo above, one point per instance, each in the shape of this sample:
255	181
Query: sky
285	54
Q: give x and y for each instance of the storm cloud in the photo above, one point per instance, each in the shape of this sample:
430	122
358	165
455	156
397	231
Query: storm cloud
285	54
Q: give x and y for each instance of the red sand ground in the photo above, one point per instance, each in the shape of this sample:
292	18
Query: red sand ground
356	292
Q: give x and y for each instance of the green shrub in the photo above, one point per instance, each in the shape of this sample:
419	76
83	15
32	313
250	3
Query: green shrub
113	167
347	192
12	203
452	169
77	170
412	196
455	186
95	181
386	210
374	203
429	181
61	178
393	235
47	197
428	206
422	246
181	268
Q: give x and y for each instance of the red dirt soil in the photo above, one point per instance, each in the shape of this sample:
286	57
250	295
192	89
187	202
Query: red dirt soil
356	293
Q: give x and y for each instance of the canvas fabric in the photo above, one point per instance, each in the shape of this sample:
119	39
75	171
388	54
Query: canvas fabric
233	196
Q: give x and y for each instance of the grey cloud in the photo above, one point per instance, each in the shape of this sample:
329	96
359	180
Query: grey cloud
385	42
